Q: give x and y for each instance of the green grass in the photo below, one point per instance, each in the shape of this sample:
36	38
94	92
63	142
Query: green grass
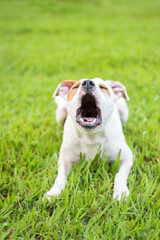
41	44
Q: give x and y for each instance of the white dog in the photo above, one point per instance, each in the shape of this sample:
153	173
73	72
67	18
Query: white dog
95	111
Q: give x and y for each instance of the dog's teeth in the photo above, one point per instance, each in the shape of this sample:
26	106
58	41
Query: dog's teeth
94	120
81	120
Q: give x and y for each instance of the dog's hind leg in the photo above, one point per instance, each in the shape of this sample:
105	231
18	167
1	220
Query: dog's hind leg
61	111
123	110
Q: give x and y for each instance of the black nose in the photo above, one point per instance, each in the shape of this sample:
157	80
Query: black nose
88	84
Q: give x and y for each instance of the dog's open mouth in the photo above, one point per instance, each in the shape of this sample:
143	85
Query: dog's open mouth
88	115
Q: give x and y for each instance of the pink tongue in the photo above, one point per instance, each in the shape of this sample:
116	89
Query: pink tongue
88	119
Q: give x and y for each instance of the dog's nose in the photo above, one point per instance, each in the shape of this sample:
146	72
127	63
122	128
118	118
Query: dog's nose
88	84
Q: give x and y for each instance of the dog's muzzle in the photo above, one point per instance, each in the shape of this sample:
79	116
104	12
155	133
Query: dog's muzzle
88	115
88	84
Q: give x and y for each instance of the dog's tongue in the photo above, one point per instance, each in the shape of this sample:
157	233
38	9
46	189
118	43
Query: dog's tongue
88	119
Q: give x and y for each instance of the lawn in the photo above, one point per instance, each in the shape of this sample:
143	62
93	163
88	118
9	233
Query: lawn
41	44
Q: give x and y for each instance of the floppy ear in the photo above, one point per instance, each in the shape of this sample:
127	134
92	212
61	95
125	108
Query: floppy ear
119	90
63	88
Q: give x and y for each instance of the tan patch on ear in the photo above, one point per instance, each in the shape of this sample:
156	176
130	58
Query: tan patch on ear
73	90
123	94
68	83
104	88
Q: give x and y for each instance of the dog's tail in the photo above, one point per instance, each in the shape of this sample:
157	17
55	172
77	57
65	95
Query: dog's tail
61	111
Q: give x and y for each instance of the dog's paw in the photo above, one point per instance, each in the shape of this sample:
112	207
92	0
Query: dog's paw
49	195
119	191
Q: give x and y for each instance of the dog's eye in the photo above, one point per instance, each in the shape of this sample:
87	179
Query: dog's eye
75	87
102	87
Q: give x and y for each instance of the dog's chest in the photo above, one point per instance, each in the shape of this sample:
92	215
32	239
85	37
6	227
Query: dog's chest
90	146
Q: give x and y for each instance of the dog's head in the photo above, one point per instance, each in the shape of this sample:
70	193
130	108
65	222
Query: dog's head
90	102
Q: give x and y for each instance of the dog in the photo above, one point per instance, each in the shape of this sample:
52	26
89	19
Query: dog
95	111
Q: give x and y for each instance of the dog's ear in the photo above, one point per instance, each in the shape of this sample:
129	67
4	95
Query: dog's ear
118	89
63	88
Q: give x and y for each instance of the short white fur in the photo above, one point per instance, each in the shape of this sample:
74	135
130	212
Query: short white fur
109	135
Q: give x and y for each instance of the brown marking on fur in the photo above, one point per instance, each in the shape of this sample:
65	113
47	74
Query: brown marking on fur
73	90
104	88
123	94
68	83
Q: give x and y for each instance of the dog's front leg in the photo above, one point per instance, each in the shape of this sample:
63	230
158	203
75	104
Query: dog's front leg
120	182
64	168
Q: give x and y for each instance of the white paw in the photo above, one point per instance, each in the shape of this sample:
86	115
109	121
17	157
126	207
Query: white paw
118	191
50	194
